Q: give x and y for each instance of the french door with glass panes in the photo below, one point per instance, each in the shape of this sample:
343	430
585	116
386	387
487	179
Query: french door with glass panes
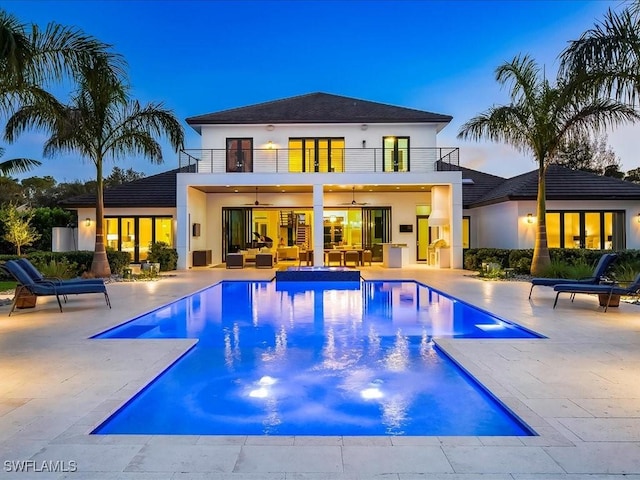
395	154
316	154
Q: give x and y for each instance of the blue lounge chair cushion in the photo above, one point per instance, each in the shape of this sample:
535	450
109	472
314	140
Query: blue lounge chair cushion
606	289
37	276
601	269
48	288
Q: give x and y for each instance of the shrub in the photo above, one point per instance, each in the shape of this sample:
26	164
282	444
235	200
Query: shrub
556	269
520	260
117	261
58	268
626	271
77	262
475	257
81	260
522	266
580	269
162	253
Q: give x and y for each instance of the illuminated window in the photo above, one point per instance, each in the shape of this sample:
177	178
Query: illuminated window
396	154
553	230
466	232
316	154
136	234
581	229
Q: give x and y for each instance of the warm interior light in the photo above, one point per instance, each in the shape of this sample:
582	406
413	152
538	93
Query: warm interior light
87	222
332	218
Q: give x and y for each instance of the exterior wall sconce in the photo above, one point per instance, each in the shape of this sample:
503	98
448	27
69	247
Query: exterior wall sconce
638	218
270	145
364	144
530	218
87	222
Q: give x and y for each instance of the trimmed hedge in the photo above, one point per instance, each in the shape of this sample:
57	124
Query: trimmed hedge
162	253
81	259
520	260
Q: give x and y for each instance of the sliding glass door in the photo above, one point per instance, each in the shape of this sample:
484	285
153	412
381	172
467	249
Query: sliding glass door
236	230
376	229
136	234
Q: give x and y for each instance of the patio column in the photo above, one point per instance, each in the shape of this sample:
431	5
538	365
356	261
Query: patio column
318	225
182	224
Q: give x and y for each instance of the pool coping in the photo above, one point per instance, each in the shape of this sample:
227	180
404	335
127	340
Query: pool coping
572	388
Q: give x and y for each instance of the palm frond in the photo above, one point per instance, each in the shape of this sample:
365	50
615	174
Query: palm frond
522	72
17	165
607	56
59	50
15	46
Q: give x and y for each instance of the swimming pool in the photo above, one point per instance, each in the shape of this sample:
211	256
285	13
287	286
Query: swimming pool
292	358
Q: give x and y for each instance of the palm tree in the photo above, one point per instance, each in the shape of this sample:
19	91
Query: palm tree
100	122
607	56
540	119
16	165
30	58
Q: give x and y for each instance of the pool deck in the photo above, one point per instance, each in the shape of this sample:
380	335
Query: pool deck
579	389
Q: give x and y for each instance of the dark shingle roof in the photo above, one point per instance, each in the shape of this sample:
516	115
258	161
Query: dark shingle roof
154	191
561	184
482	182
318	108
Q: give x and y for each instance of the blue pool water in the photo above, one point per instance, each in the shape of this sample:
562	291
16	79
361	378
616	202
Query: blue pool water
290	358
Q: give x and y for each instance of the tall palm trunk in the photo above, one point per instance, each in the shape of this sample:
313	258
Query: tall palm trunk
541	258
100	264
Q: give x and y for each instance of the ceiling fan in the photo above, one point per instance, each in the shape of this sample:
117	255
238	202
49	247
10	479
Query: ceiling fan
257	203
353	201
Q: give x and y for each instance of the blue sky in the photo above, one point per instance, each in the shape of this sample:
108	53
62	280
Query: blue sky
199	56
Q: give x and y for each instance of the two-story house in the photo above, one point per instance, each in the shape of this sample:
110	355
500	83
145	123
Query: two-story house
319	171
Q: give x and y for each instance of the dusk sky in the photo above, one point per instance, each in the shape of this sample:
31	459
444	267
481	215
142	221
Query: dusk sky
201	56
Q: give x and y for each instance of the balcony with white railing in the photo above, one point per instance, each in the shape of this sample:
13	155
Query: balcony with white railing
345	160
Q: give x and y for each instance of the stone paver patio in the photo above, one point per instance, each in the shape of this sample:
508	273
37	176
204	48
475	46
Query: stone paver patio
579	389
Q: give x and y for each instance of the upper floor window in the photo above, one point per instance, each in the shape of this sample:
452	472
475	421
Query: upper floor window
316	154
239	154
599	230
395	154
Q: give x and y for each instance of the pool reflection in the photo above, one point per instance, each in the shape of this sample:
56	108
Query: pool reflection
320	360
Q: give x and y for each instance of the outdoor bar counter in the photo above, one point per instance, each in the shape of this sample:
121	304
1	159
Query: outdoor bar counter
394	255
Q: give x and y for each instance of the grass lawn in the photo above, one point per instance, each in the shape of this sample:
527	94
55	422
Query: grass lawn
7	285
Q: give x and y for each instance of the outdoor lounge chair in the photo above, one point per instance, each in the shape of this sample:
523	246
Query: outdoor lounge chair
601	268
46	288
264	260
607	290
235	260
37	276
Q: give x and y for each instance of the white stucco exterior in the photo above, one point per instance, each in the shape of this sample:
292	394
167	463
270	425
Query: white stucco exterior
417	189
192	208
505	225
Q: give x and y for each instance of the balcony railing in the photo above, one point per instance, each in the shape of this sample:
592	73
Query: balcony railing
348	160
